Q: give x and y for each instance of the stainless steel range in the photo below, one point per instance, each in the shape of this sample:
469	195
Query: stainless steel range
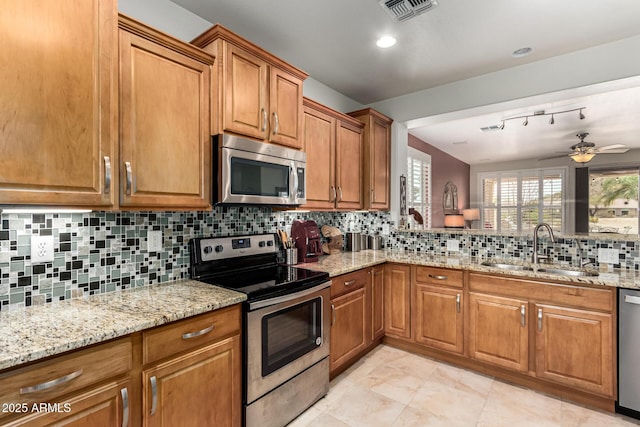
286	324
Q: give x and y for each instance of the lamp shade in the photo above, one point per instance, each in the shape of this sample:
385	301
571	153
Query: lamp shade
454	221
471	214
580	157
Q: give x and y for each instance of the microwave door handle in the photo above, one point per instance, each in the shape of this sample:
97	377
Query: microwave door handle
294	172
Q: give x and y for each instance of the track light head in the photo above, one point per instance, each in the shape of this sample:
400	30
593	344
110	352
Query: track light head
552	121
502	125
526	121
581	115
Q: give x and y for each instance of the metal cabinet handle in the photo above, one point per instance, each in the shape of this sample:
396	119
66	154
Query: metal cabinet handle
276	123
195	334
129	173
349	283
333	314
50	384
154	394
540	319
631	299
438	277
340	190
264	119
523	312
107	175
335	195
125	406
458	303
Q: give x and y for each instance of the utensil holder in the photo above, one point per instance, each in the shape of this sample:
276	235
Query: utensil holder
291	256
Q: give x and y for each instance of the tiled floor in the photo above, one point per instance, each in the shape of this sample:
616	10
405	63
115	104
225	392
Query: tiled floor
393	388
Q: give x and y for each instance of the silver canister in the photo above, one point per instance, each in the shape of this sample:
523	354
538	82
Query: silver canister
291	256
375	242
364	242
353	241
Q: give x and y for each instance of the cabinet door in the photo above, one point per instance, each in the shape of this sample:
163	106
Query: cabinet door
349	166
498	331
58	102
348	336
201	388
285	105
164	131
319	143
245	93
397	300
380	164
104	406
377	303
439	317
575	347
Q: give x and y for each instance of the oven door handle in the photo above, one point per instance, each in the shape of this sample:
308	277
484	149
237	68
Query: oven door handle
290	297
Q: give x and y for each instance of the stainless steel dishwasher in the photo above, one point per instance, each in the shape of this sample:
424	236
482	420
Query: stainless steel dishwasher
628	352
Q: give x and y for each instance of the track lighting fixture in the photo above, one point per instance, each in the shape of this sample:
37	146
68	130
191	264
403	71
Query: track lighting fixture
552	120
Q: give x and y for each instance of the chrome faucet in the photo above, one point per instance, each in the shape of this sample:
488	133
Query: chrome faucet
536	256
581	260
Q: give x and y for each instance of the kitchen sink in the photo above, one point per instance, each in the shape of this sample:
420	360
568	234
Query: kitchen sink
567	272
507	266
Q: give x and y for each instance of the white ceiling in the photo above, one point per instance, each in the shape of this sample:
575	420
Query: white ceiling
334	41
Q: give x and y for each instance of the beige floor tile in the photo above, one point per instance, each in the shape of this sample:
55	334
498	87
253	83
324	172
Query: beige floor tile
578	416
412	417
326	420
363	407
391	382
306	417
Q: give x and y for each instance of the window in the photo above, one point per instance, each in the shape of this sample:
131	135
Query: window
613	200
519	200
419	184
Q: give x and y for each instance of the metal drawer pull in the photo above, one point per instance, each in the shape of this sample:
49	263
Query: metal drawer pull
107	175
631	299
198	333
50	384
125	406
540	319
523	312
333	314
349	283
438	277
458	303
276	125
264	119
154	394
129	173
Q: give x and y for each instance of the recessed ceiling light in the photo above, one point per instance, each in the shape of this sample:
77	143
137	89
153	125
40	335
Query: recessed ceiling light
386	41
523	51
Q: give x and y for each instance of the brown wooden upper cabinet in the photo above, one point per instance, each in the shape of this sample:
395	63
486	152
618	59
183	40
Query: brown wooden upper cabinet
165	117
334	146
377	158
58	102
260	95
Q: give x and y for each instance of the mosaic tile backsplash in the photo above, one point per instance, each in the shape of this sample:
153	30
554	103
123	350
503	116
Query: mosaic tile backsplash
106	252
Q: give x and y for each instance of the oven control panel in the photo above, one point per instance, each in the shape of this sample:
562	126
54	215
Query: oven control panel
217	248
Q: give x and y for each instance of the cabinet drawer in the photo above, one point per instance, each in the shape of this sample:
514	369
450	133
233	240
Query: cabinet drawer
439	276
346	283
50	380
186	334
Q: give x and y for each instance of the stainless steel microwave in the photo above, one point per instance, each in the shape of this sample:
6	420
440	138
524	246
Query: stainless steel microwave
256	173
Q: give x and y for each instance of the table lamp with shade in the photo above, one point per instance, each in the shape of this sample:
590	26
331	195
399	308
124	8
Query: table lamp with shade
454	221
470	215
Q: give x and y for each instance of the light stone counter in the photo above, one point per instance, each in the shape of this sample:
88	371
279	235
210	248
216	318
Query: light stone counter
32	333
350	261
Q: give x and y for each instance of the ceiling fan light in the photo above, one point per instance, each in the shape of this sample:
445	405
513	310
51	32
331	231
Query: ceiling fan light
582	157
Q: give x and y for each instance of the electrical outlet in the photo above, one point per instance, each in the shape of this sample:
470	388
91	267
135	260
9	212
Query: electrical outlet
154	241
41	249
385	229
453	245
608	256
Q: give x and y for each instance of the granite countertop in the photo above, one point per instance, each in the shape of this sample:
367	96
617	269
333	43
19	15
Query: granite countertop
346	262
37	332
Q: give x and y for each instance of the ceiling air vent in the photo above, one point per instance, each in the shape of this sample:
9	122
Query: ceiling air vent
402	10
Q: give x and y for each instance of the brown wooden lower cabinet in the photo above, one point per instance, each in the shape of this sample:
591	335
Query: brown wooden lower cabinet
498	331
348	336
397	300
575	347
439	318
377	302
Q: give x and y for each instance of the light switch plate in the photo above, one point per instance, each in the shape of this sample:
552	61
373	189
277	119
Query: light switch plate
385	229
154	241
41	249
608	256
453	245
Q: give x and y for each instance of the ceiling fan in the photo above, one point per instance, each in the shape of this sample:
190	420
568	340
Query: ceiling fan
584	151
